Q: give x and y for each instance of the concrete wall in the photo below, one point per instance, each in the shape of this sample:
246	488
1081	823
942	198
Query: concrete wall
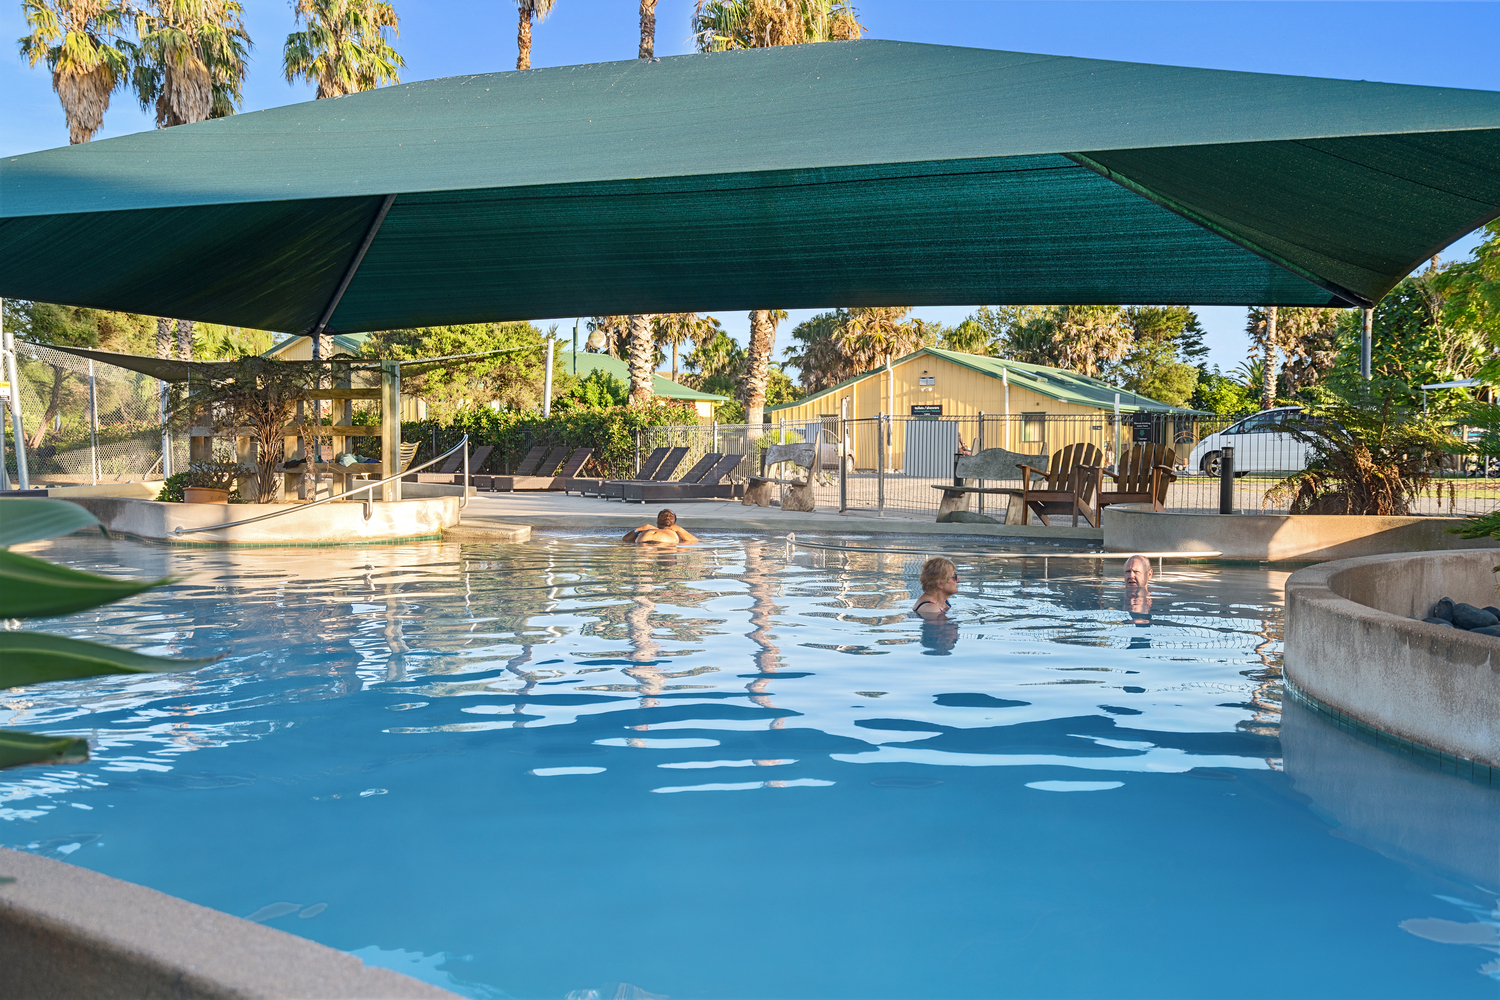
1351	644
326	524
69	933
1280	537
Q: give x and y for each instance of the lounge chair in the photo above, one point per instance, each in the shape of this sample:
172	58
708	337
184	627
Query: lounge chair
452	470
591	486
540	478
1067	488
1142	476
708	486
612	489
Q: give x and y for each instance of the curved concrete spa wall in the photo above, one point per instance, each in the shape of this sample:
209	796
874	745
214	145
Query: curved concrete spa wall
326	524
1352	643
1279	537
68	933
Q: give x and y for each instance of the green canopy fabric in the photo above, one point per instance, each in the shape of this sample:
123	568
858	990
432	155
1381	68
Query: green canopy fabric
849	173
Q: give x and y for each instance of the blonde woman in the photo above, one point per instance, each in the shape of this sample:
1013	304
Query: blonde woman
939	582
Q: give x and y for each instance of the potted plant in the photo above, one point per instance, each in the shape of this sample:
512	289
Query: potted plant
214	481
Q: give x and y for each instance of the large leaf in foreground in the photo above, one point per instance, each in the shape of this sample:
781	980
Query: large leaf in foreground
35	588
34	657
38	748
23	520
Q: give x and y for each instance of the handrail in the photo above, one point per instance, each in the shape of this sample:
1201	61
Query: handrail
368	488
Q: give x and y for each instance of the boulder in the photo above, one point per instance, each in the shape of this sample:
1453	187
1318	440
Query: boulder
1438	621
1443	609
1493	630
1466	616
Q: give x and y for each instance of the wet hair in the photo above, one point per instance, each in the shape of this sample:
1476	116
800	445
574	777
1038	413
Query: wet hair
935	571
666	519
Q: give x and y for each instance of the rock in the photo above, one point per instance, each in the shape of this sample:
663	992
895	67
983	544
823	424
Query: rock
1438	621
1493	610
967	517
1466	616
1493	630
1443	609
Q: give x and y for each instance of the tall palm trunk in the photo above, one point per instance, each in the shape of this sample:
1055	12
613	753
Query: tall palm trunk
1268	389
185	339
641	358
674	361
163	337
648	29
757	364
523	40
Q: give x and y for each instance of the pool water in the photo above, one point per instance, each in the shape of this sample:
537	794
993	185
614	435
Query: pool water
574	769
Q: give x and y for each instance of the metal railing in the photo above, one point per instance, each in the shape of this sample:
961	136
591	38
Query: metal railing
366	488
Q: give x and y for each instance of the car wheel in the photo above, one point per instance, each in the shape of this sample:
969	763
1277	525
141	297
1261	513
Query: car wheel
1212	464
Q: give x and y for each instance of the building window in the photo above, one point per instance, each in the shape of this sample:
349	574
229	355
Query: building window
1033	426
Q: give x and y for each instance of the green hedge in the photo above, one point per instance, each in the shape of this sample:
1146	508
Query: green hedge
610	432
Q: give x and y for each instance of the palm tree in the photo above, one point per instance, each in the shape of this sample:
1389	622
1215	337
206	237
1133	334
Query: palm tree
676	329
877	335
79	39
345	48
191	65
648	31
753	24
642	360
530	10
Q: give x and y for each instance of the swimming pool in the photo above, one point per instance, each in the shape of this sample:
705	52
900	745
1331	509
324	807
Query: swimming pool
742	771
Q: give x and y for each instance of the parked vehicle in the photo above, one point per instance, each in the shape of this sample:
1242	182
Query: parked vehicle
1262	442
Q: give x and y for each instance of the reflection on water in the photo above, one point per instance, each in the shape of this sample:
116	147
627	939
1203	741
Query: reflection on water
473	763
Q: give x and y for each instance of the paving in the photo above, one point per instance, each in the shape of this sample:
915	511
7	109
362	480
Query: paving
556	510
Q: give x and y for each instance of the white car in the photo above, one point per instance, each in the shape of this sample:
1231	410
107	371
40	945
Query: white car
1262	442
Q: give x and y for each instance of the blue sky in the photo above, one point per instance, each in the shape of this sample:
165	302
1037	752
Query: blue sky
1435	44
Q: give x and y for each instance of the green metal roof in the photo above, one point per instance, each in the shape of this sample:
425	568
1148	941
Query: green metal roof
1055	383
347	343
844	173
587	363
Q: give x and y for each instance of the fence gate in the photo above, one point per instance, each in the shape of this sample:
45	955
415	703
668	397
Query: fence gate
930	447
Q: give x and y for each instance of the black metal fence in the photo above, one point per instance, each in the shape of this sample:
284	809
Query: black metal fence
891	464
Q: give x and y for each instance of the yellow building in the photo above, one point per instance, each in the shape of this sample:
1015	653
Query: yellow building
1026	408
299	348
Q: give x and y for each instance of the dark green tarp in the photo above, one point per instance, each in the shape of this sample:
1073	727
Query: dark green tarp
852	173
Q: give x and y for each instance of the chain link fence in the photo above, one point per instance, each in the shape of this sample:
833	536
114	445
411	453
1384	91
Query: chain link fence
891	464
86	422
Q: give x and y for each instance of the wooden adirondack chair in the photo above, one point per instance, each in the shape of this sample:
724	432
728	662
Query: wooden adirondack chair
1067	487
1142	476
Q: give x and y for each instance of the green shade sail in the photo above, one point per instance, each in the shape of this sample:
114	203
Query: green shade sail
846	173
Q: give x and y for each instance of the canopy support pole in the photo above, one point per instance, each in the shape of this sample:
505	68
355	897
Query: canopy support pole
316	333
12	375
1366	337
390	427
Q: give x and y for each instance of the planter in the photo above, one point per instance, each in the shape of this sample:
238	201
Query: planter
203	494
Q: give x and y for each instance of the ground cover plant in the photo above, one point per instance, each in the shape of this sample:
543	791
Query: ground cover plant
36	588
1371	454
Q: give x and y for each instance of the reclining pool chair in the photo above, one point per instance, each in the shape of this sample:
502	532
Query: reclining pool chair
613	489
594	485
708	486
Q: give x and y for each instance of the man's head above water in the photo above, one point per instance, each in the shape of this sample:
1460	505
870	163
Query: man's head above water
666	519
1137	572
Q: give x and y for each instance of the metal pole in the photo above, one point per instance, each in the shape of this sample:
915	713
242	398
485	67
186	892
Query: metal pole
163	392
575	345
1005	384
880	464
1226	480
1117	432
843	454
93	427
547	380
637	453
17	426
978	447
1365	339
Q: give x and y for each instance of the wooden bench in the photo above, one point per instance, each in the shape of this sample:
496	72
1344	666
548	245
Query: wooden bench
796	494
996	464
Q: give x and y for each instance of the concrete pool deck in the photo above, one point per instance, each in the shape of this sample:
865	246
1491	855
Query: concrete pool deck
556	510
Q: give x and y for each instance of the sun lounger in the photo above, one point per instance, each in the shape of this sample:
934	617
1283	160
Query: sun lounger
709	486
612	488
590	486
540	479
452	470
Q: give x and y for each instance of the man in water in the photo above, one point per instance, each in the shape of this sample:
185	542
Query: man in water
1138	589
666	531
